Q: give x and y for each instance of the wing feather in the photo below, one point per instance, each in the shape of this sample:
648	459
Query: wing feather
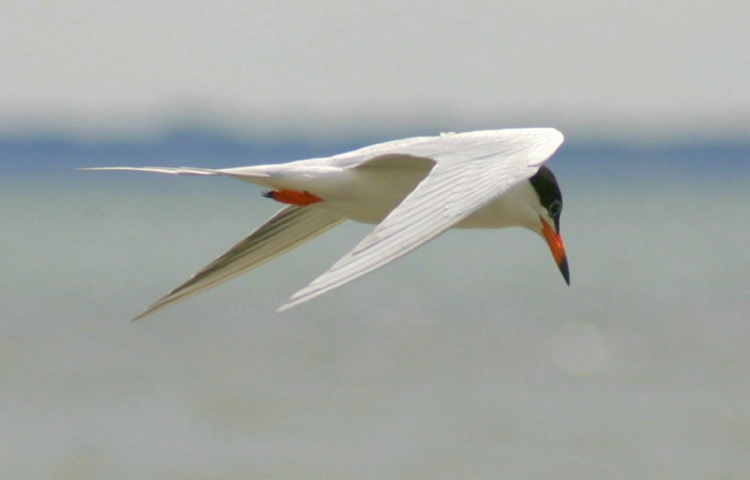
169	170
471	171
287	229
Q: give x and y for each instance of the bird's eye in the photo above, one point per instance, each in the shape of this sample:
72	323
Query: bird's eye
554	208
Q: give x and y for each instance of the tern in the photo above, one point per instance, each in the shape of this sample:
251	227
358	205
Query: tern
412	189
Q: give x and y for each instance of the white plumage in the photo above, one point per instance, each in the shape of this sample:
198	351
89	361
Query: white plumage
413	189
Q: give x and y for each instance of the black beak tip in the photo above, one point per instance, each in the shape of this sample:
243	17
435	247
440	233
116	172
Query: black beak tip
564	270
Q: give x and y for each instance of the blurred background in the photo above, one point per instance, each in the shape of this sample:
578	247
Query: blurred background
469	358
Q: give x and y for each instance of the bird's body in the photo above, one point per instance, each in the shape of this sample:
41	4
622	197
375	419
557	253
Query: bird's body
413	189
367	193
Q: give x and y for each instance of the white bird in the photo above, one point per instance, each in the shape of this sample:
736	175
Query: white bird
413	189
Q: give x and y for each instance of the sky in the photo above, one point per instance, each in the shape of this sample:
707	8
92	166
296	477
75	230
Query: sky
646	68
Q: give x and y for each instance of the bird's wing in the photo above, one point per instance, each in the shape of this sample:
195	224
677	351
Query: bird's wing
173	171
471	170
287	229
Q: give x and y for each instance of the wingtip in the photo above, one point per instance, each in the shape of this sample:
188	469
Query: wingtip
153	308
300	297
291	303
284	308
142	315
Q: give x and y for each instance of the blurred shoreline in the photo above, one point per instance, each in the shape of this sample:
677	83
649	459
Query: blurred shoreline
23	154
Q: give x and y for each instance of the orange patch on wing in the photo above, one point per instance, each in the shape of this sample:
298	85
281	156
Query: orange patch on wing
292	197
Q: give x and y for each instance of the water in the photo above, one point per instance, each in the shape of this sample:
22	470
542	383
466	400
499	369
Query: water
468	359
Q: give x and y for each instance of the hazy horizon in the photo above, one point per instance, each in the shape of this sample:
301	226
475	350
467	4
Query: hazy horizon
618	69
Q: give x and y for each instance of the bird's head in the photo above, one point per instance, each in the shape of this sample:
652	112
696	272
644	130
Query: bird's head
548	211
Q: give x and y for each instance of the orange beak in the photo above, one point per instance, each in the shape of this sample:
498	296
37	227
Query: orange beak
554	240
